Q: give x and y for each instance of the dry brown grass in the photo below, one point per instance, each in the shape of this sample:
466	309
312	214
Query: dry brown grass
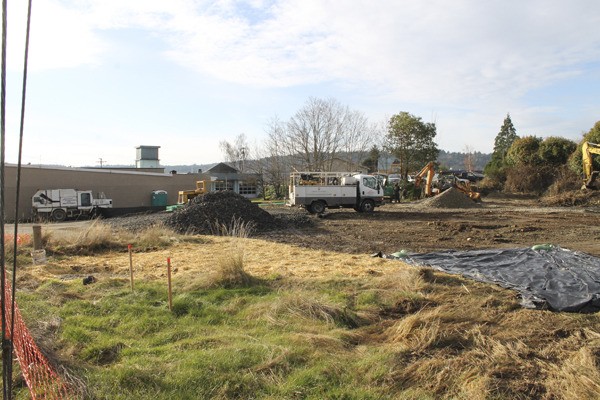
446	336
99	237
235	228
578	374
308	306
230	271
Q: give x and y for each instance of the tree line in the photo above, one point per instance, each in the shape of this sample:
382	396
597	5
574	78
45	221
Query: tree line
325	135
532	164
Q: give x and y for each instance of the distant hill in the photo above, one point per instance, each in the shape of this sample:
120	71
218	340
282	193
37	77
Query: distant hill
456	161
450	160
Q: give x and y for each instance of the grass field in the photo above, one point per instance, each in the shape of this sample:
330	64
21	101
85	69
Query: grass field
253	319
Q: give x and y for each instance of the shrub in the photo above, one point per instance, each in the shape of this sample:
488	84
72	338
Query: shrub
565	180
528	179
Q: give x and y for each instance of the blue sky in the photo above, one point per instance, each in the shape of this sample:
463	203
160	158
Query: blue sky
108	75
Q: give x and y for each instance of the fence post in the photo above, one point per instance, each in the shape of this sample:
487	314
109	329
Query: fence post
130	266
169	280
37	237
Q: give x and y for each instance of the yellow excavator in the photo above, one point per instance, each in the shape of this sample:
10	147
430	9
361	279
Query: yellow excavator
587	149
187	195
430	172
465	187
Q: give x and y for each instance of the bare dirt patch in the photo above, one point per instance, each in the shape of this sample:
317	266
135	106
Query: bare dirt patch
500	221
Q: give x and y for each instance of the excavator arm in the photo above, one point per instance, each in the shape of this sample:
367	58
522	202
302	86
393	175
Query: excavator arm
465	187
587	149
430	172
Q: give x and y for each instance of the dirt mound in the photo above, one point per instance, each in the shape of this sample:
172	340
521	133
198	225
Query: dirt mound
451	198
206	214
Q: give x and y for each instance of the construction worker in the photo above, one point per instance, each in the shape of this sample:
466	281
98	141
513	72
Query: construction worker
396	192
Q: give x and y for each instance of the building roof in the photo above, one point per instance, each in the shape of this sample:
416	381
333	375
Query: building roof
223	169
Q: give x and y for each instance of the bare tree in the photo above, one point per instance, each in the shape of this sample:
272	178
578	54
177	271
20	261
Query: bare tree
275	160
469	158
324	130
359	138
237	152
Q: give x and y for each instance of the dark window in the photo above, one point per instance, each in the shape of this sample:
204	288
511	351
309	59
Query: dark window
247	188
222	185
86	199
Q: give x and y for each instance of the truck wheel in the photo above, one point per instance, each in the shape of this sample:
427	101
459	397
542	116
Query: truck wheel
317	207
59	215
367	206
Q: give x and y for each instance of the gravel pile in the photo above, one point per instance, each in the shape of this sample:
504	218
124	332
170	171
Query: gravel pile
206	214
270	217
451	198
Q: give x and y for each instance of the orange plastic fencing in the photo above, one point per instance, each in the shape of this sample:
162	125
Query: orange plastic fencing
22	238
42	379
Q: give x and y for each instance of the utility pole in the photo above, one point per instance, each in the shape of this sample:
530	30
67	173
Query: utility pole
243	154
101	162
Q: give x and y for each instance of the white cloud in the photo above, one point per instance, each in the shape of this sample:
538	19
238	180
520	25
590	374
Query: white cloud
468	62
60	37
415	50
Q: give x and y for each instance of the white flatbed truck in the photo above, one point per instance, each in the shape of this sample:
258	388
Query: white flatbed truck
316	191
59	204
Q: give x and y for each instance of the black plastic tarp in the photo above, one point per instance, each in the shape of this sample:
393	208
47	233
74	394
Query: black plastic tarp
552	278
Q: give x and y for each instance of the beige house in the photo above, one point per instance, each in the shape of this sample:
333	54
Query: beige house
130	191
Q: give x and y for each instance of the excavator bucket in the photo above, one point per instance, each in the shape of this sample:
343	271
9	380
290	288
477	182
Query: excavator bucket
591	182
475	196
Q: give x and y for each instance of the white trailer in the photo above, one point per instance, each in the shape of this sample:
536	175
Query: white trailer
316	191
59	204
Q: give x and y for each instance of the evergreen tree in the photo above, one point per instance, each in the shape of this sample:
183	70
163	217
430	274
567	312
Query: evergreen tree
372	161
504	139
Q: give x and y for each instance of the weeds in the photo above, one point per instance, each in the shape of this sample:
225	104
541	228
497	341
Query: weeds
230	272
407	333
236	228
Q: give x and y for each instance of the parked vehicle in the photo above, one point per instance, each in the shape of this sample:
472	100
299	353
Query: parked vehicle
470	176
316	191
60	204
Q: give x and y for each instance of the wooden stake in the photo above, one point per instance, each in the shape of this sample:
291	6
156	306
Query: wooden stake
130	266
169	280
37	237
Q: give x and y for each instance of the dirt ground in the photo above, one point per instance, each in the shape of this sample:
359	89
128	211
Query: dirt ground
500	222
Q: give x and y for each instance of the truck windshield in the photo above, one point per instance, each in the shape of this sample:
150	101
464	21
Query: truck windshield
370	182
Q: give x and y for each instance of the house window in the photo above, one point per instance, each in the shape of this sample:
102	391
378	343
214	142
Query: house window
247	188
223	185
